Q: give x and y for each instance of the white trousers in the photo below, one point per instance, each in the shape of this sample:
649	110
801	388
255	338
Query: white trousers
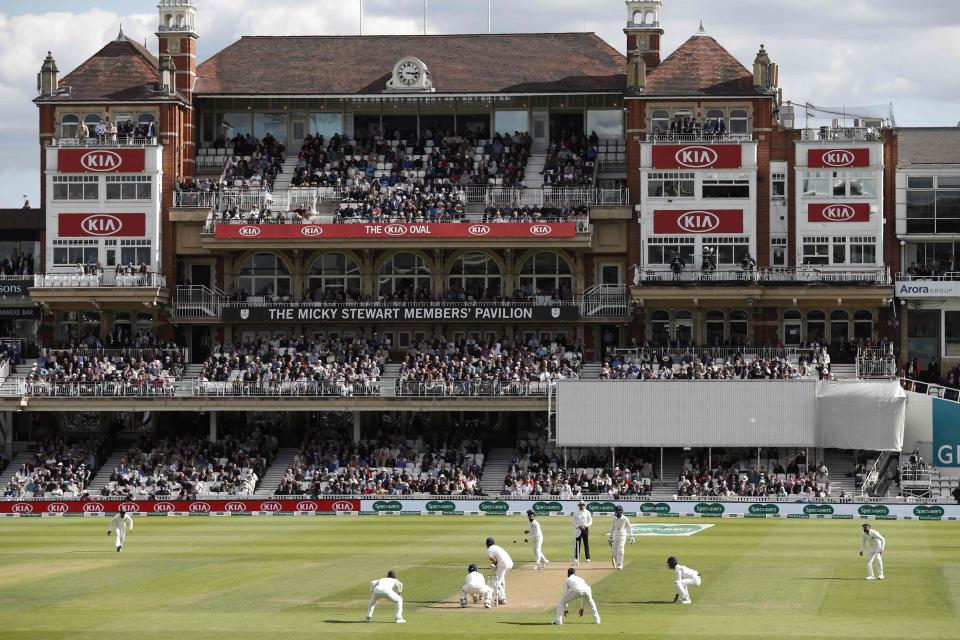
538	556
681	586
619	542
389	595
501	581
573	595
871	556
121	536
485	591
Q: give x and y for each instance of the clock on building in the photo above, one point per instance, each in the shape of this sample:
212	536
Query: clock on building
410	74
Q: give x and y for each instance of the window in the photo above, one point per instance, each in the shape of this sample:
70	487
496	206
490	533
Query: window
128	187
738	326
135	252
840	184
606	123
817	183
69	125
792	327
715	117
404	275
778	252
778	187
325	124
660	327
660	121
546	274
863	250
264	274
937	257
334	276
729	251
816	326
146	118
662	250
274	124
839	251
476	274
714	327
670	185
721	188
951	333
839	326
92	120
862	325
72	252
816	250
683	327
76	188
738	121
510	121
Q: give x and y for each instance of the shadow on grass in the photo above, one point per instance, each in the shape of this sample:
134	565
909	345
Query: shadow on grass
831	578
526	624
640	602
352	622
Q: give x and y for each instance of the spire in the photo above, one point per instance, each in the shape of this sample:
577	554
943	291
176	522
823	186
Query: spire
701	31
120	36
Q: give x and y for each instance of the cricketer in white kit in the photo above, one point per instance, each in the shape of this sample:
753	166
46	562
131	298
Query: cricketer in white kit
620	529
475	586
874	544
684	577
535	535
389	588
118	526
502	563
582	521
576	587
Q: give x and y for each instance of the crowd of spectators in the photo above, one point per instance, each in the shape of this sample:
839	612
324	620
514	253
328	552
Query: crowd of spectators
108	131
648	367
189	467
934	267
689	126
255	163
571	160
140	371
538	470
535	213
392	465
17	265
404	202
740	477
59	469
351	364
437	363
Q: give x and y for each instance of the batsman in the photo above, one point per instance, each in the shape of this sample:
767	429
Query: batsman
619	530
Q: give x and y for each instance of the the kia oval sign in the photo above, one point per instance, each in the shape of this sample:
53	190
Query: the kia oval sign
101	225
697	156
426	231
540	230
199	507
698	221
249	231
163	507
93	507
311	231
306	506
855	212
478	229
129	507
22	507
235	507
271	506
343	505
101	160
838	158
58	507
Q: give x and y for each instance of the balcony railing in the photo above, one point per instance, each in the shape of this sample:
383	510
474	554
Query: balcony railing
306	389
947	276
462	389
163	388
842	134
103	141
106	279
681	138
879	276
748	353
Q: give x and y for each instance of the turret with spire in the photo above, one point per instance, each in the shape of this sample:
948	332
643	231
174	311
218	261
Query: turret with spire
48	79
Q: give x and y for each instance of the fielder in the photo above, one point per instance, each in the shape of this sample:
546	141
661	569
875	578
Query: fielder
575	587
619	529
535	534
384	588
582	521
118	526
502	563
685	577
477	587
875	544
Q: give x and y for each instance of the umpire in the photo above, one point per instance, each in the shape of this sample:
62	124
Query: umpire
582	521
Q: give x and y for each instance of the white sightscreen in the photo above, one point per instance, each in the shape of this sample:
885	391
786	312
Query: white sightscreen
861	415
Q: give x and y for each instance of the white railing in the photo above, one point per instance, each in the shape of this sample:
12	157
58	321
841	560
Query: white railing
841	134
461	389
253	217
665	275
874	362
946	276
103	141
152	389
144	353
108	278
548	197
605	300
197	301
195	199
673	138
305	388
4	369
748	353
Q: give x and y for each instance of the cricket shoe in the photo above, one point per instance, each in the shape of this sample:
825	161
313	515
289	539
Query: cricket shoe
487	605
463	603
545	563
588	560
501	602
400	620
558	622
597	621
687	601
118	549
868	577
879	577
368	619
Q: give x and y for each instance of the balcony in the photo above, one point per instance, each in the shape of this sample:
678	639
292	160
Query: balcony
842	134
99	289
94	142
683	138
781	276
97	280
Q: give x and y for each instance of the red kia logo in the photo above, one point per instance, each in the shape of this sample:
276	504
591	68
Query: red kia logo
311	231
306	506
22	507
163	507
101	225
839	213
838	158
541	229
57	507
698	221
395	229
478	229
101	161
696	157
235	507
129	507
93	507
271	506
199	507
343	506
249	232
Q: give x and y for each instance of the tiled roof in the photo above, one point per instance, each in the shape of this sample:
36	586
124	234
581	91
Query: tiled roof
478	63
118	71
700	67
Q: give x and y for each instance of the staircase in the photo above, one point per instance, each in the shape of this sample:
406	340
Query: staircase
388	381
282	182
844	371
274	474
495	469
590	370
102	477
533	173
665	487
605	300
11	385
184	386
839	464
19	459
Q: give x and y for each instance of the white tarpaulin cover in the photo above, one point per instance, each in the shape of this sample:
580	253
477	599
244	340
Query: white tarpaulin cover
861	415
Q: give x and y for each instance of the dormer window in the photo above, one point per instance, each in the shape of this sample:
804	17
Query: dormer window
68	125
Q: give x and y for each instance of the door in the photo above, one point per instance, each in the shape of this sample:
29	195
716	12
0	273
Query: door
298	130
540	131
611	275
201	275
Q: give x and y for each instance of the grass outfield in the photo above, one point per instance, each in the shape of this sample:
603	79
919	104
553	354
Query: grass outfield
269	577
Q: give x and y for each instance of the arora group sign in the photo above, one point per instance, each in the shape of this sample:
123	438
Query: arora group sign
698	221
697	156
420	231
101	160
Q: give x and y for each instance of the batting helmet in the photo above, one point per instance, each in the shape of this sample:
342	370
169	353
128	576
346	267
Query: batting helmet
489	541
571	571
471	568
672	562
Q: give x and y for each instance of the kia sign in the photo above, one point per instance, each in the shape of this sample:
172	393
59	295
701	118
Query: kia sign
686	222
706	156
166	507
837	158
855	212
57	507
101	160
424	231
307	312
98	225
163	507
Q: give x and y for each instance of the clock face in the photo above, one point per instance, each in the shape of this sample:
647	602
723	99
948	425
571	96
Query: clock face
408	72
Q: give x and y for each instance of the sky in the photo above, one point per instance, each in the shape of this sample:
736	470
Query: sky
831	53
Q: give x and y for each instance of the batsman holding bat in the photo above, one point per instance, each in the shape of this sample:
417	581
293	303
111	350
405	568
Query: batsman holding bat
575	587
619	530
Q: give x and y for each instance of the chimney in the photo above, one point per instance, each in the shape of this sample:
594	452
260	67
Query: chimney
48	81
643	31
765	73
168	75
